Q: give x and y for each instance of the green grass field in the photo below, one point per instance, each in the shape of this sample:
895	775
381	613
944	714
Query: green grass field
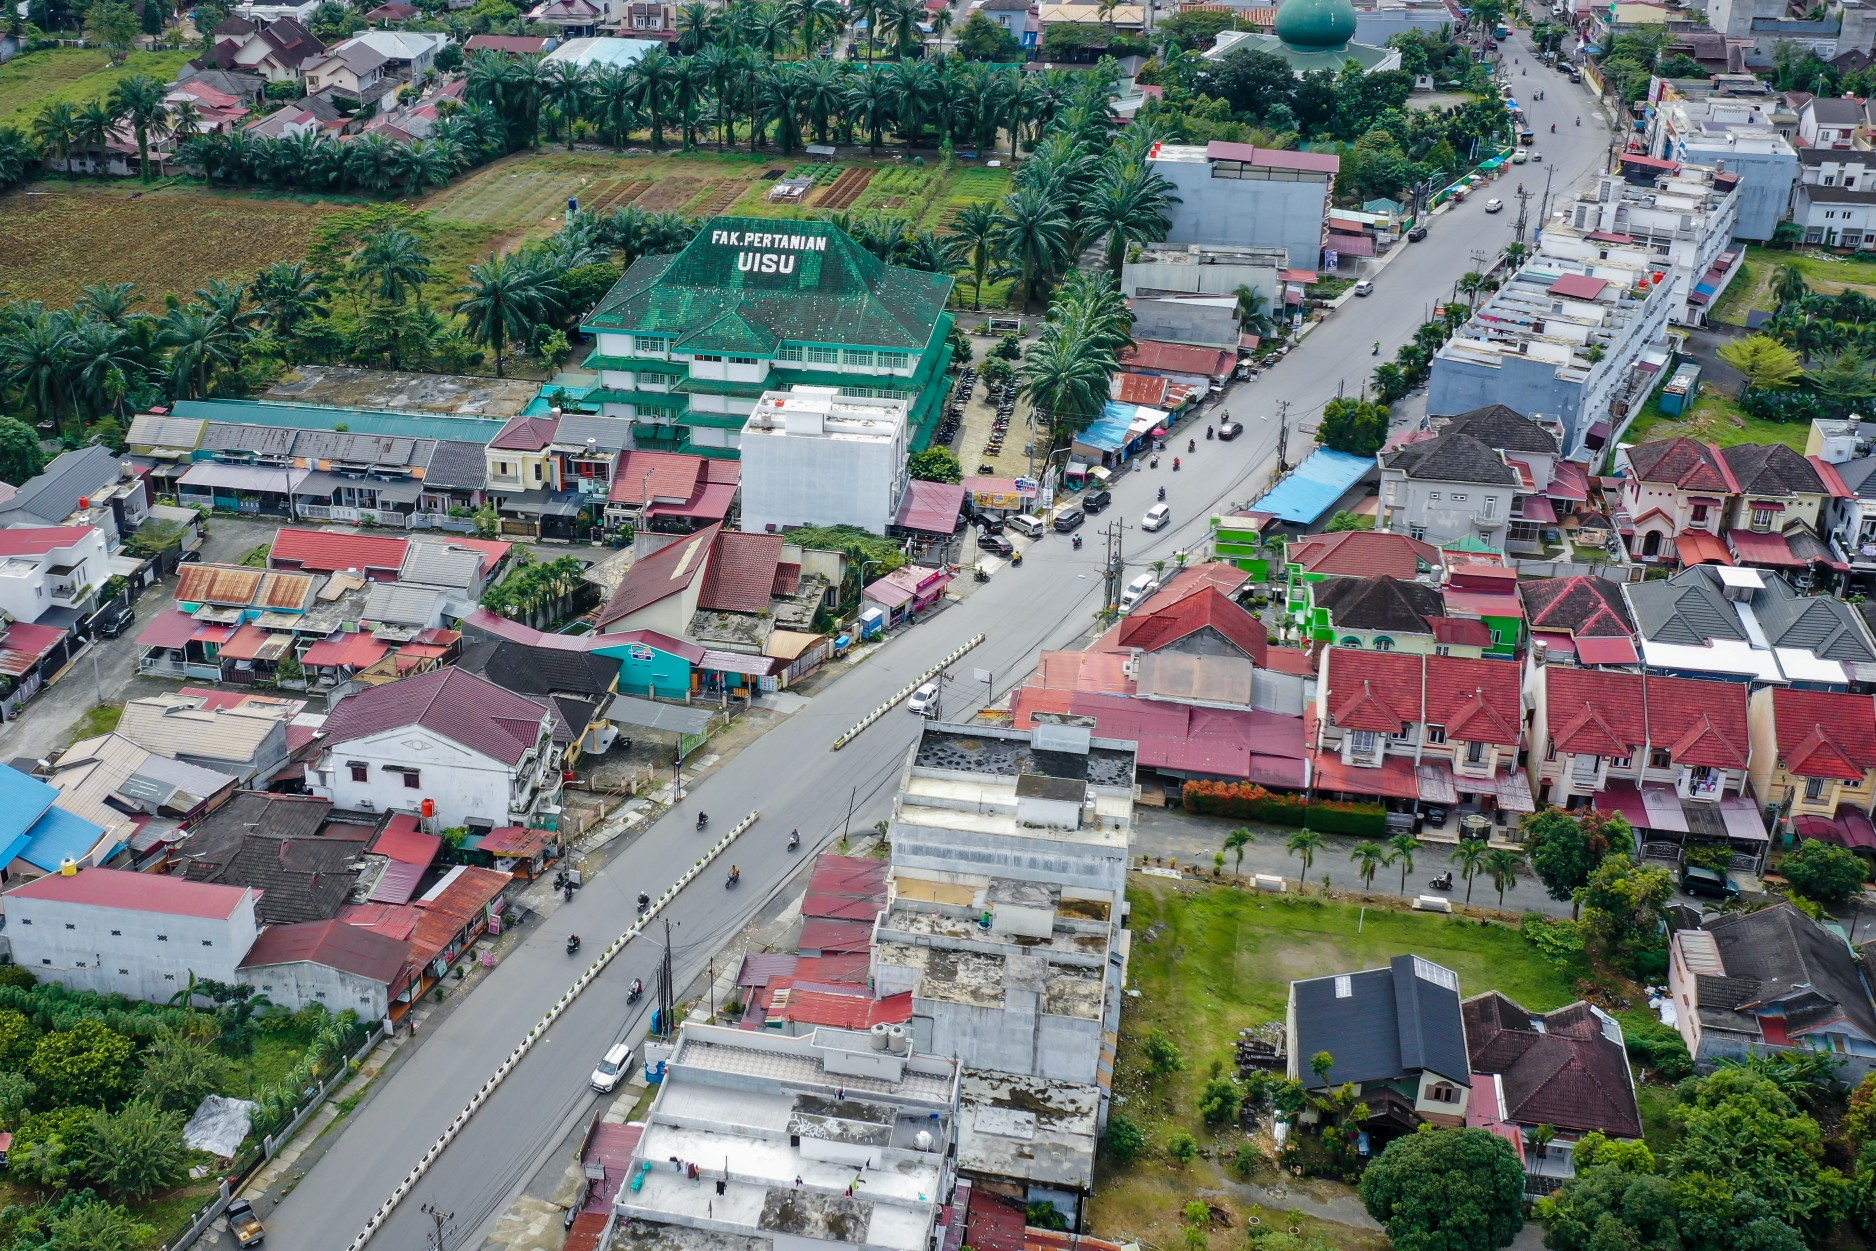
1209	962
1823	271
28	83
1714	419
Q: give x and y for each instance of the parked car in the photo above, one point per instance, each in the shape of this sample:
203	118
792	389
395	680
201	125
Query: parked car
1156	517
987	523
611	1070
922	701
1069	520
1364	287
1137	590
1494	206
1713	883
995	543
244	1225
1096	501
112	619
1229	430
1416	234
190	558
1027	524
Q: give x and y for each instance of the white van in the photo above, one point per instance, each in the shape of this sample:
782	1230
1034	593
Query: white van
1027	524
611	1070
1137	590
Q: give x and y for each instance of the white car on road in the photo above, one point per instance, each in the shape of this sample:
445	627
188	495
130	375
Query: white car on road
1156	517
922	700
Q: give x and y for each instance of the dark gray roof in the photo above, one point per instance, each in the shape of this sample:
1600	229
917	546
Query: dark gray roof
1836	110
1860	476
364	449
1772	469
1687	608
459	465
609	434
444	564
1816	623
235	436
1384	1023
273	844
528	670
1381	603
53	495
1452	457
1502	427
1791	958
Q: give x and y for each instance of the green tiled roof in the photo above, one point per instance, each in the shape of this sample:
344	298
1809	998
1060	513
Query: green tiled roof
743	285
722	386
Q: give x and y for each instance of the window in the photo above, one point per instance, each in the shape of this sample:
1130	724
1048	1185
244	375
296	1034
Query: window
653	344
1475	753
1458	497
852	357
169	977
1383	644
823	356
70	926
894	360
537	471
123	972
1699	514
1490	510
1660	758
1436	734
791	354
208	942
1417	533
1761	518
412	779
1442	649
117	933
1364	742
704	356
1433	495
359	772
1443	1092
43	960
1814	787
1620	762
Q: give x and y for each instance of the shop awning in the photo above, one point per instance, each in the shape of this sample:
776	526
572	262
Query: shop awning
543	503
676	718
1540	510
930	507
209	475
1435	781
1850	827
1395	779
251	642
1754	548
736	662
1700	548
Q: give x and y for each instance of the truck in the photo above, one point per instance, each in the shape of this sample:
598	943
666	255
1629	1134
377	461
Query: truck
244	1224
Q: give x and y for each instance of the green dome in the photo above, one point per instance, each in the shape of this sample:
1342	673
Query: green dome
1316	25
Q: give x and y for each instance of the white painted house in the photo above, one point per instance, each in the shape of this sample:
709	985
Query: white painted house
124	933
480	753
48	567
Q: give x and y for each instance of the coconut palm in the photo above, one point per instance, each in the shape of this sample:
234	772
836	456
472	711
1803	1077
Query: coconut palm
1400	850
1304	844
1236	841
1502	865
1469	859
139	101
1254	312
185	120
96	120
18	156
505	298
1368	856
1788	287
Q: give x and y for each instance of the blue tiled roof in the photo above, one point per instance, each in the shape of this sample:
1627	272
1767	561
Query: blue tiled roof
58	835
23	800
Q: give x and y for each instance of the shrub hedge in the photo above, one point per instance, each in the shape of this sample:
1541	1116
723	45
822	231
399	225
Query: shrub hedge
1249	801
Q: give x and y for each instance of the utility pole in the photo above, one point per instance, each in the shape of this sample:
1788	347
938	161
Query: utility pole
1524	200
667	990
1543	212
1283	436
1115	564
439	1223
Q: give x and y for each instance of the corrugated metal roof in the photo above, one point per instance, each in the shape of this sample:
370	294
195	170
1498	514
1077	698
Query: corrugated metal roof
477	430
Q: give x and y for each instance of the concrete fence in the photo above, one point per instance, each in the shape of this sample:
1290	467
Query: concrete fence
853	731
507	1066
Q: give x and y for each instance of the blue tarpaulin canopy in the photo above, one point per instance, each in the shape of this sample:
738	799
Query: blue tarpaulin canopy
1109	431
1324	477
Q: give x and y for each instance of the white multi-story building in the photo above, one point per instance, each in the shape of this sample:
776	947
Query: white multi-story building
1562	339
48	567
1234	195
815	457
837	1141
123	933
1732	136
1677	222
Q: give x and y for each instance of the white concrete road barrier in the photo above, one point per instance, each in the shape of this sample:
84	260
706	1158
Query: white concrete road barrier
514	1057
853	731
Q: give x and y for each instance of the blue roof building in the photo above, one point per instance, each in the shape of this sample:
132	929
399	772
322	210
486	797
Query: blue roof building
33	830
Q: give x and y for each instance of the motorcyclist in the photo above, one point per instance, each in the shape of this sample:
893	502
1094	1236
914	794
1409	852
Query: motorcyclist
703	819
1162	495
644	901
638	988
573	943
1553	128
736	874
1209	432
1376	350
1192	445
1579	121
1077	542
1175	464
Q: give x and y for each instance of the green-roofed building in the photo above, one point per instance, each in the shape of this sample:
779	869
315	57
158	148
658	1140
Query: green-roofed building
688	343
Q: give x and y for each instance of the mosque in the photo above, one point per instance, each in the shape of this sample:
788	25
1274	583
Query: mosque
1312	35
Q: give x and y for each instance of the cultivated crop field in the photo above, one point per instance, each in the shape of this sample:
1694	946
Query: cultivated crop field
28	83
62	236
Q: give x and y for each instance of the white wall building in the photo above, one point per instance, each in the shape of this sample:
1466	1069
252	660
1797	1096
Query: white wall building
482	754
124	933
814	457
837	1141
1238	195
1678	222
48	567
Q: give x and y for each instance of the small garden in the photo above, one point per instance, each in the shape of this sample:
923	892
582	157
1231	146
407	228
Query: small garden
96	1090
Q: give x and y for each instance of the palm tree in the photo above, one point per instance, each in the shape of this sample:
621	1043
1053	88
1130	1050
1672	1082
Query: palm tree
698	26
289	295
1469	859
1034	234
1400	850
1065	378
96	121
870	103
504	299
931	252
613	104
567	87
394	263
941	23
56	129
1254	313
1236	841
823	93
1788	287
1503	865
651	82
810	17
32	359
185	120
112	303
1369	856
424	165
139	101
978	227
1304	844
101	360
1130	206
198	341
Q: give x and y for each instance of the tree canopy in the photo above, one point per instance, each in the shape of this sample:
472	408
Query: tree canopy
1446	1190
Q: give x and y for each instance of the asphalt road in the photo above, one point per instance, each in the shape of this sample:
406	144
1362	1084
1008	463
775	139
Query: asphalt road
797	781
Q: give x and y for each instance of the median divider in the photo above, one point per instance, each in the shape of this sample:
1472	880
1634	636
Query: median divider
854	730
585	979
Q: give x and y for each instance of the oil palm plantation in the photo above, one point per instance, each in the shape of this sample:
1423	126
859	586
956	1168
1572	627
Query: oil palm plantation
567	89
979	228
198	341
96	120
505	298
32	359
1033	231
56	128
392	265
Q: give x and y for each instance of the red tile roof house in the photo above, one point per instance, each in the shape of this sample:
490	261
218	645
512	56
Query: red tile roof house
1580	619
1678	488
331	963
1412	729
1669	754
1814	755
485	756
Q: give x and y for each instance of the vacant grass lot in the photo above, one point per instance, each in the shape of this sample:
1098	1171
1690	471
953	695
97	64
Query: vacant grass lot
28	83
1211	961
1714	419
61	236
1822	270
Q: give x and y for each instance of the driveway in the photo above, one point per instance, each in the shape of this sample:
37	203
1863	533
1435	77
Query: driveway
106	672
